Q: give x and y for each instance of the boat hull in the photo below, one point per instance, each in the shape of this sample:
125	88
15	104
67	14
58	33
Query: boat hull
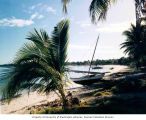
87	80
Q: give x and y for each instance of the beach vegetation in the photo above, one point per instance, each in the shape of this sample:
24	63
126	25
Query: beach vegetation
40	65
135	43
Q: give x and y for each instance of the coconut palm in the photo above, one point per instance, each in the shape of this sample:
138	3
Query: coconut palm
135	43
40	65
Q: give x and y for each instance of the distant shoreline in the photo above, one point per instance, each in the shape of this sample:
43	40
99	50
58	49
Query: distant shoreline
120	61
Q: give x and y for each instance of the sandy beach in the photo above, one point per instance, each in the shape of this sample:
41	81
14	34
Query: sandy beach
20	104
116	68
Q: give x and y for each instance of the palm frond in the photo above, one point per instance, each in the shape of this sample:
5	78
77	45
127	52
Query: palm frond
29	52
65	3
40	39
60	43
98	9
134	43
28	73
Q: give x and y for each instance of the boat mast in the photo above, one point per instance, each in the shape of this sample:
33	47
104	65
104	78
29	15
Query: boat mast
93	54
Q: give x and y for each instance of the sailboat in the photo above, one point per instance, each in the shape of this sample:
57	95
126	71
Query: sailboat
91	77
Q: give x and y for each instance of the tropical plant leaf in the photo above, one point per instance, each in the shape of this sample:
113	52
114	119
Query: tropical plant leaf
98	9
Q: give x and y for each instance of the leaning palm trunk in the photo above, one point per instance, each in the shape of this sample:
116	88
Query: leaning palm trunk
63	97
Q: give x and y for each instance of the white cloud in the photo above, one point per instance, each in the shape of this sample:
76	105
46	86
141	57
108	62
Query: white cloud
14	22
36	16
32	7
33	16
80	47
40	16
84	23
50	9
116	27
35	6
82	32
40	7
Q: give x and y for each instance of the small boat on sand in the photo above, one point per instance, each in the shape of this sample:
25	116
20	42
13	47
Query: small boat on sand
97	67
88	79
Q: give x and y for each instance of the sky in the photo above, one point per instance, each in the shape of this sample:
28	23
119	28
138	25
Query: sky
19	17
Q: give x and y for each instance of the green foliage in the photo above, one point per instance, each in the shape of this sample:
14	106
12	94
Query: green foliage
39	64
135	43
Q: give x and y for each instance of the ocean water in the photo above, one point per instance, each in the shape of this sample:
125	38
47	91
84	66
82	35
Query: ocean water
105	68
2	82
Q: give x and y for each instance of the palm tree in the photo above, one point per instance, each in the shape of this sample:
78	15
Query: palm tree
135	43
40	65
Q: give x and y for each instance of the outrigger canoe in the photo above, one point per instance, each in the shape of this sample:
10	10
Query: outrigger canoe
88	79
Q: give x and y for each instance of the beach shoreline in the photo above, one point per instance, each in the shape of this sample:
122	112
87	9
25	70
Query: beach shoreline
20	104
